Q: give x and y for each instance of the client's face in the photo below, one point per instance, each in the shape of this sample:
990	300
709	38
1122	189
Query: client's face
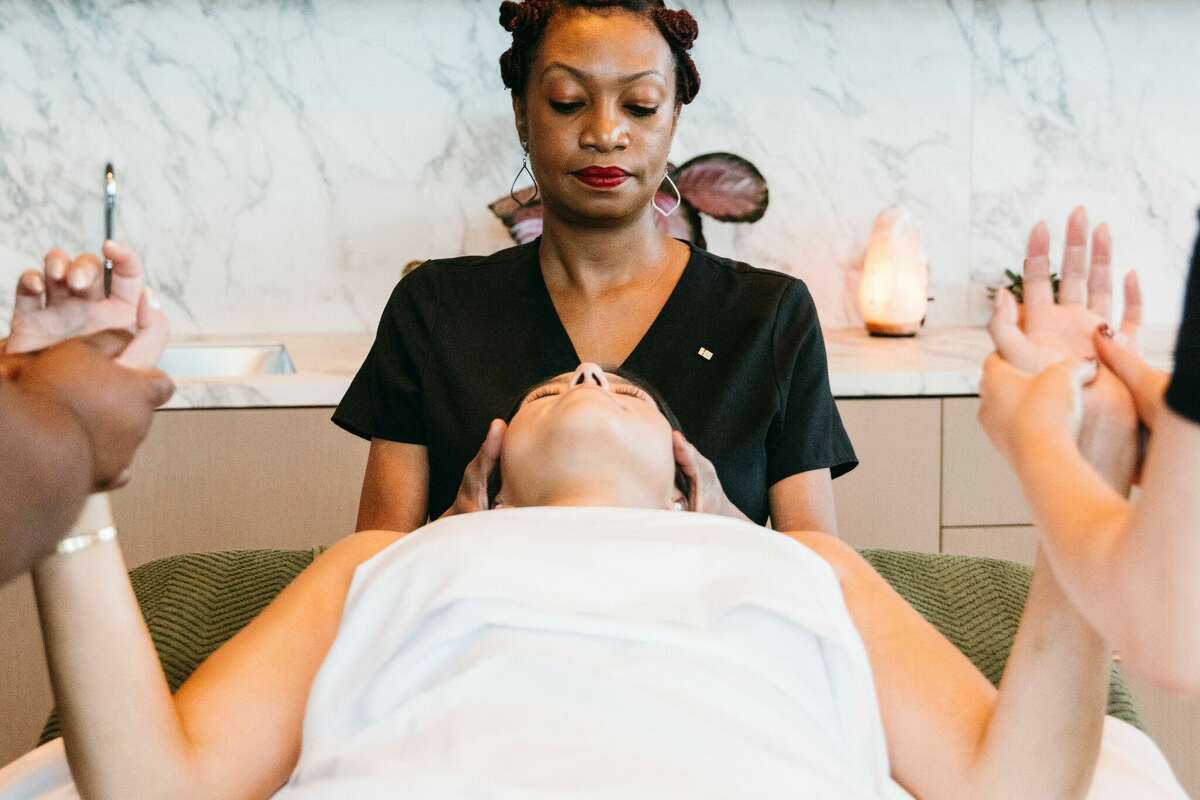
588	438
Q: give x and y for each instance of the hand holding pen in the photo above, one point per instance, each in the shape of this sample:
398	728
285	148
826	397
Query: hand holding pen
65	298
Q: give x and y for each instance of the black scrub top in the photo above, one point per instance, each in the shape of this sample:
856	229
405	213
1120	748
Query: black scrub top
1183	393
736	352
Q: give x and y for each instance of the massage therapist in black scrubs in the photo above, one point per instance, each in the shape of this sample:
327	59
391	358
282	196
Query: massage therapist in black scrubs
597	89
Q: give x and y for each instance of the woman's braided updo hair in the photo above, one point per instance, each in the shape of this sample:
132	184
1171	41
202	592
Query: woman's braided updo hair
526	21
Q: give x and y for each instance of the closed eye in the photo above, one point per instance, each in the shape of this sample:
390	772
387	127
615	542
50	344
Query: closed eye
565	108
542	391
633	391
642	111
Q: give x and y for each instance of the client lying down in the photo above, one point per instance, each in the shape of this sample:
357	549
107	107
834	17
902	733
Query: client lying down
588	640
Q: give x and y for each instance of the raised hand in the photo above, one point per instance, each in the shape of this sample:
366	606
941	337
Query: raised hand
111	400
66	298
1044	332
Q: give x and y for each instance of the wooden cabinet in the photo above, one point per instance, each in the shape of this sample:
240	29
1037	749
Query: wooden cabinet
890	501
978	487
1007	542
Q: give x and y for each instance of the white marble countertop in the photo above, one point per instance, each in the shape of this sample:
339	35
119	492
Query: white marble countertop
939	362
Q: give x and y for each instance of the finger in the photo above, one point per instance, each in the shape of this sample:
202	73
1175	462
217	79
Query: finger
1145	383
109	343
685	456
685	459
1100	274
1131	317
128	277
11	365
118	482
1001	381
1006	333
492	443
1072	288
55	265
153	331
31	293
84	277
159	387
1038	292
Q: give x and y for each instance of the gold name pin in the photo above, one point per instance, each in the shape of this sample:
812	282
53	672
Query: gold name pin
705	353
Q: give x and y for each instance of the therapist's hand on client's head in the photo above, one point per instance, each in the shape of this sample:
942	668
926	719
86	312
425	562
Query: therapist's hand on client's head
589	438
107	382
473	491
65	298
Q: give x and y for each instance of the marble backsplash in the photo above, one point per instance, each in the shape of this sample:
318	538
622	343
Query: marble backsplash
279	162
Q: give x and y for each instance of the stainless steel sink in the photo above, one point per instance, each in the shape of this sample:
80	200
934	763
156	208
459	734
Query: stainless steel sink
225	360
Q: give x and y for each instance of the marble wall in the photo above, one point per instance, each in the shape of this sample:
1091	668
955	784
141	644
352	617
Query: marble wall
280	161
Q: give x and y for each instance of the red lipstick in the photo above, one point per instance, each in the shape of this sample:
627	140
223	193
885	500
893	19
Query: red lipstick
602	177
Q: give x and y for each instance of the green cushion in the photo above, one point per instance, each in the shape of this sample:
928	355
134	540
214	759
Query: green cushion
193	603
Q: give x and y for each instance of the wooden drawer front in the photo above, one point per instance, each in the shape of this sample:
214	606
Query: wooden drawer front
1010	543
979	489
240	479
891	500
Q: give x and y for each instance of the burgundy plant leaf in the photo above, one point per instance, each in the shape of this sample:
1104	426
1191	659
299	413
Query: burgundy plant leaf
684	222
724	186
524	223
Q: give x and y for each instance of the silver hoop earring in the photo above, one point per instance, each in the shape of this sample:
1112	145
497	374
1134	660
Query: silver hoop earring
537	190
678	198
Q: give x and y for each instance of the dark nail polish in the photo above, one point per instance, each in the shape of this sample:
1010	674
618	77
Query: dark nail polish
1105	330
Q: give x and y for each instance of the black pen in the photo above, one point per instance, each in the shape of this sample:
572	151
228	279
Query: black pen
110	207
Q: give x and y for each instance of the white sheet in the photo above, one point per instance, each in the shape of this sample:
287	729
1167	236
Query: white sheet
669	665
593	653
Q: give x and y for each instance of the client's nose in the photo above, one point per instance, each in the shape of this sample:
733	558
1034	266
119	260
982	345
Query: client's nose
589	374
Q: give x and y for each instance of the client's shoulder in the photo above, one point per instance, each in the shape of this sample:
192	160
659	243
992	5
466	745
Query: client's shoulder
844	559
345	555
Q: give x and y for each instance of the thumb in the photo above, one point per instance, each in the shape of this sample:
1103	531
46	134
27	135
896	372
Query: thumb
1005	330
110	343
153	331
159	386
1119	355
490	451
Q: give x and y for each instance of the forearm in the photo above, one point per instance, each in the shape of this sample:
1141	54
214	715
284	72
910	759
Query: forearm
122	734
1083	522
46	476
1043	735
1161	552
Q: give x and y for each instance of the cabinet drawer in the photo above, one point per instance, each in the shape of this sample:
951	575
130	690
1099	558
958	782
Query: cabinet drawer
891	500
1010	543
978	487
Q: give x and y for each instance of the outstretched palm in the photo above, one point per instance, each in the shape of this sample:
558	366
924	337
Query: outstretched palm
67	299
1045	330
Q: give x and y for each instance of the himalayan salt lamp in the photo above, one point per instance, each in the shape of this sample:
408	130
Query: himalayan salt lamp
894	292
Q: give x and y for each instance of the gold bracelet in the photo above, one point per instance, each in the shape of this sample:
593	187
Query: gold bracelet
82	541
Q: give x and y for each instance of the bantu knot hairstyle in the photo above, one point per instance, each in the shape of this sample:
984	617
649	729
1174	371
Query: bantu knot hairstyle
526	20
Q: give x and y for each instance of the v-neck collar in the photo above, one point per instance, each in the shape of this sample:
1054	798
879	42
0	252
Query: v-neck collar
663	320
